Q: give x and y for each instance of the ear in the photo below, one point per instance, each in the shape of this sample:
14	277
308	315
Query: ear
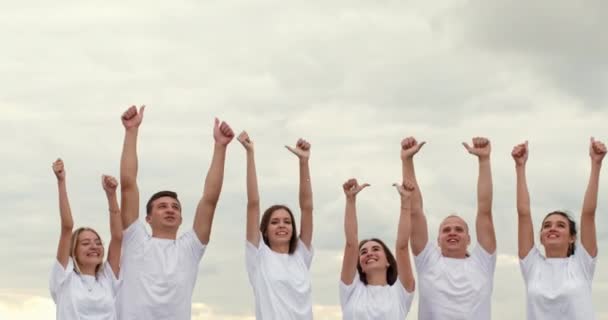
148	218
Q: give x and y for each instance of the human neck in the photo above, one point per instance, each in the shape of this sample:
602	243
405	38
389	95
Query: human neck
454	254
164	234
376	278
280	247
555	252
87	270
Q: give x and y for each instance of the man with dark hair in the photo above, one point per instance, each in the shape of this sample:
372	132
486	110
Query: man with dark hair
159	270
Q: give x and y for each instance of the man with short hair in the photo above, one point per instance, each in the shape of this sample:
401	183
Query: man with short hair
159	271
453	283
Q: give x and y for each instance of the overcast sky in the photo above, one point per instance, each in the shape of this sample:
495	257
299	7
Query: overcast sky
353	77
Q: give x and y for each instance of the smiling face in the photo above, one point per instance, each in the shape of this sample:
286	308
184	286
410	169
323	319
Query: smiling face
87	251
280	228
454	237
558	233
165	213
372	257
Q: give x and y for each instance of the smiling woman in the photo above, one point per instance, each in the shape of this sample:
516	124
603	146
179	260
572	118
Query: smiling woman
81	283
279	264
559	283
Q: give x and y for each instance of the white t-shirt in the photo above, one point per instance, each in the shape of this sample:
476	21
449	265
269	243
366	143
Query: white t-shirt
455	289
158	275
367	302
83	297
559	288
280	281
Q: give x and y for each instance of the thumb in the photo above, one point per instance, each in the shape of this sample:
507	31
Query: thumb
365	185
466	146
421	144
141	111
217	122
291	149
592	140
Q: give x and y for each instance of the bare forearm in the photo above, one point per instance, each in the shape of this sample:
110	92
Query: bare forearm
523	196
590	201
484	187
128	160
67	223
409	174
115	217
253	195
215	176
350	223
305	193
404	229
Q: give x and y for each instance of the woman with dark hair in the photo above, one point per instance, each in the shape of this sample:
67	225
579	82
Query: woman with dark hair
81	284
278	260
375	285
558	284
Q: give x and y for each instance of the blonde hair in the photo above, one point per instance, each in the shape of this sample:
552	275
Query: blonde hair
74	244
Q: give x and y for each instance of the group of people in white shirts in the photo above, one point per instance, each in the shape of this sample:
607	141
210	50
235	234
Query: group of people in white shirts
152	276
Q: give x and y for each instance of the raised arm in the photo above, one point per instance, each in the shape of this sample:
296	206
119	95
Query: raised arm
597	151
302	150
404	265
525	231
484	223
67	224
109	185
222	133
253	196
419	235
351	248
129	192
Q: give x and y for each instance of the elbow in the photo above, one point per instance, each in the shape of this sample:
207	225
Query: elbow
253	203
67	227
306	206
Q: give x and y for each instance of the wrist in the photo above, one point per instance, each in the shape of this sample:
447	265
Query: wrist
484	159
220	146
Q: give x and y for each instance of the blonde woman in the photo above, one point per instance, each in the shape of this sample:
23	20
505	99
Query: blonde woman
81	284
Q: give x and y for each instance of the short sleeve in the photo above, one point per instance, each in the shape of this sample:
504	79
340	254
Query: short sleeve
58	277
528	262
111	278
252	257
134	236
405	298
585	260
303	252
486	260
347	290
192	246
427	257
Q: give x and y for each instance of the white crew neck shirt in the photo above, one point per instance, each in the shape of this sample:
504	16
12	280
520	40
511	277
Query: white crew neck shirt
158	274
83	297
369	302
559	288
455	289
281	282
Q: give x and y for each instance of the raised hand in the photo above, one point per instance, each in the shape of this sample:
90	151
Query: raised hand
109	184
58	169
481	147
597	150
405	189
244	139
351	188
222	133
302	149
132	118
520	153
409	147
